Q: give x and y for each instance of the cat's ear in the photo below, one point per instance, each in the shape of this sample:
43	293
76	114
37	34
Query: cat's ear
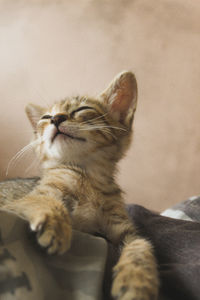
121	97
34	113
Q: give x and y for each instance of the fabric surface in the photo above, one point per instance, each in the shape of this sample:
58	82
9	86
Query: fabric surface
27	273
84	272
177	249
186	210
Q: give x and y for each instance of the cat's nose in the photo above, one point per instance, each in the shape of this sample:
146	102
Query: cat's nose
58	119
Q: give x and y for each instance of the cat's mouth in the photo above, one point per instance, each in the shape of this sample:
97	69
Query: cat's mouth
58	133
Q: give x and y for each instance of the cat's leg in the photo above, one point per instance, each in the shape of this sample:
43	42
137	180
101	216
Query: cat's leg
47	216
135	276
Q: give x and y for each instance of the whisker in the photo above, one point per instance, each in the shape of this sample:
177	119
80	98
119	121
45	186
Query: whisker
35	161
94	126
85	123
18	155
104	129
103	126
109	133
94	118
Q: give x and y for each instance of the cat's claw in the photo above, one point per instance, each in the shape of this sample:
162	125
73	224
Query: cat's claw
53	232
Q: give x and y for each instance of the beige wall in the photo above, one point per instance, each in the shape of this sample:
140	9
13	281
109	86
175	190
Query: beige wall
50	49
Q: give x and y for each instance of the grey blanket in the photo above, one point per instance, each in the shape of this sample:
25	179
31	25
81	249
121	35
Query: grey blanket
177	249
84	272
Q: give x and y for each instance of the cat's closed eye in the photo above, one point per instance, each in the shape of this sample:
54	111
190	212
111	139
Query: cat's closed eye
80	109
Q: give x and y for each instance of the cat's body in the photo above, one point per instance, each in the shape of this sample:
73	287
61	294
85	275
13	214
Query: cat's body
79	141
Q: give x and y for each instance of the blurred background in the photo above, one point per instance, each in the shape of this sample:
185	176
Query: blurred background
51	49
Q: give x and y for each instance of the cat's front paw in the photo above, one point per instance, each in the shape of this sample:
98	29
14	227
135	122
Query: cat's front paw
127	285
53	231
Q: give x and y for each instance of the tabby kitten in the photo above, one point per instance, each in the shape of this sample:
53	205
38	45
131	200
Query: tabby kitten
79	142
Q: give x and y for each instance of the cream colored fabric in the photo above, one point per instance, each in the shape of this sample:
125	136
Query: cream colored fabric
28	273
50	49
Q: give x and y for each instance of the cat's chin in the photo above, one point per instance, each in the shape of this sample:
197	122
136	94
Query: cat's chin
60	137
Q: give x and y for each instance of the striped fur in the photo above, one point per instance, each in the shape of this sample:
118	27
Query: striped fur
78	188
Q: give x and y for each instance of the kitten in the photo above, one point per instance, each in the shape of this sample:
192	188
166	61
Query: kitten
78	142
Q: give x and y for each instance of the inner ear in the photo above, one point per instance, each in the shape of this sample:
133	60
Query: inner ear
34	113
121	96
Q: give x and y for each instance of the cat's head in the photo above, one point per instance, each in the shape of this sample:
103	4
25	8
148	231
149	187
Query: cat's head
83	130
